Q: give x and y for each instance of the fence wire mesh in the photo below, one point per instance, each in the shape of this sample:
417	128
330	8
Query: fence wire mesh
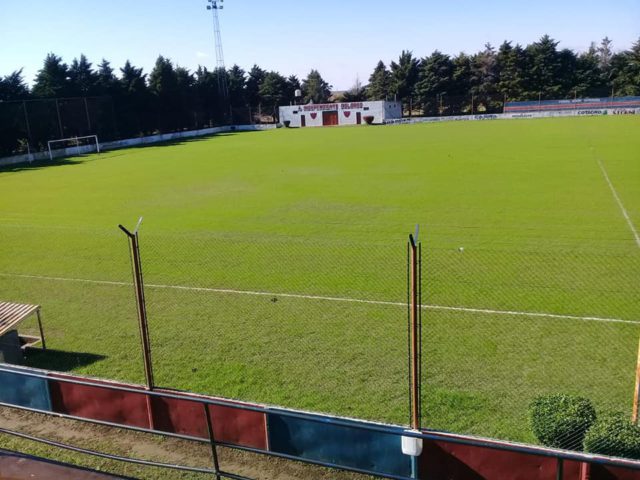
306	324
321	324
520	345
82	280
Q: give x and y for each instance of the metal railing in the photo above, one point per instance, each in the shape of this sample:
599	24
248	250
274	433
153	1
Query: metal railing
435	436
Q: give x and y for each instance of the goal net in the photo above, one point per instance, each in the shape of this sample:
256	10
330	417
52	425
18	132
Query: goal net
73	146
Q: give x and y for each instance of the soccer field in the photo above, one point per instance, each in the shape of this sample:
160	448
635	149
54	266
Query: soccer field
276	272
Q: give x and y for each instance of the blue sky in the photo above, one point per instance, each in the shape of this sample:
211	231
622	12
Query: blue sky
343	39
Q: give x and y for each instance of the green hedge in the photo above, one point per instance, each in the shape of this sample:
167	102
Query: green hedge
561	421
614	435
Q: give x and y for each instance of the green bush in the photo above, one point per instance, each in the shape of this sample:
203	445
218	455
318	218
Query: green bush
561	421
614	435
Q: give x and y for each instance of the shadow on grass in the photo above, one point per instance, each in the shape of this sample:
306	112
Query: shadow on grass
59	360
39	164
182	141
80	159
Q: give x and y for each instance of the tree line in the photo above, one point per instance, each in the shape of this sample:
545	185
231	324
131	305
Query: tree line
169	93
171	97
537	71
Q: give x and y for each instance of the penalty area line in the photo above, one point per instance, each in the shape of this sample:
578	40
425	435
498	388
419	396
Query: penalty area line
485	311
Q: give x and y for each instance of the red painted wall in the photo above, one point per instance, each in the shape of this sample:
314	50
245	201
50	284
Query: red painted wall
443	460
231	424
98	403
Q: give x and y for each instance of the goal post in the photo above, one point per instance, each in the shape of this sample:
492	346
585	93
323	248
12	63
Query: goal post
75	142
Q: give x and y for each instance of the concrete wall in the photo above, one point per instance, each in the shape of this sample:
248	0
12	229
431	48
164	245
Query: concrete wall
347	113
129	142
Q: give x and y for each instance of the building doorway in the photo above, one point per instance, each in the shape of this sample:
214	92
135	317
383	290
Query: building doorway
303	121
358	118
329	118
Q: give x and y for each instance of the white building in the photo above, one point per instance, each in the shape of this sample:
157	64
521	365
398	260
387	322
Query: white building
329	114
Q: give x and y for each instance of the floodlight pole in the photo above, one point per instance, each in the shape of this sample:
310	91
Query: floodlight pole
415	328
223	88
138	283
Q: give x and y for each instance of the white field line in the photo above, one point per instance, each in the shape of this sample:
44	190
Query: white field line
330	299
620	204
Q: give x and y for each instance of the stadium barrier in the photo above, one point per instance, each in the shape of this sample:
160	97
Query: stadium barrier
573	104
517	115
353	445
129	142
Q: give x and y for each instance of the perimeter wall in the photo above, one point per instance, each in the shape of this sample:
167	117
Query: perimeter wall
320	439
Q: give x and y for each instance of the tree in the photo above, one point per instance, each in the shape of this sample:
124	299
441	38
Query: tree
404	75
357	93
273	92
544	69
625	72
52	78
628	81
605	54
133	106
133	81
186	97
163	85
106	83
484	71
315	89
510	66
252	88
588	79
208	100
293	84
163	80
379	83
12	87
237	81
567	73
435	79
461	77
82	78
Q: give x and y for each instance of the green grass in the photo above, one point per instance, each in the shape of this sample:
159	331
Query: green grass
325	212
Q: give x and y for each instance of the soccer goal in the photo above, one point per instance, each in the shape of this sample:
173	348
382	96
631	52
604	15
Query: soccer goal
75	145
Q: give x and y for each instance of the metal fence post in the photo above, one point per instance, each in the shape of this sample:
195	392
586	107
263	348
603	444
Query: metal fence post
212	441
636	393
559	469
142	311
86	110
415	330
59	118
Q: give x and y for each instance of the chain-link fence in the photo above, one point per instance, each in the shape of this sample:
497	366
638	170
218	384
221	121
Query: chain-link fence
307	324
534	344
26	126
81	278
